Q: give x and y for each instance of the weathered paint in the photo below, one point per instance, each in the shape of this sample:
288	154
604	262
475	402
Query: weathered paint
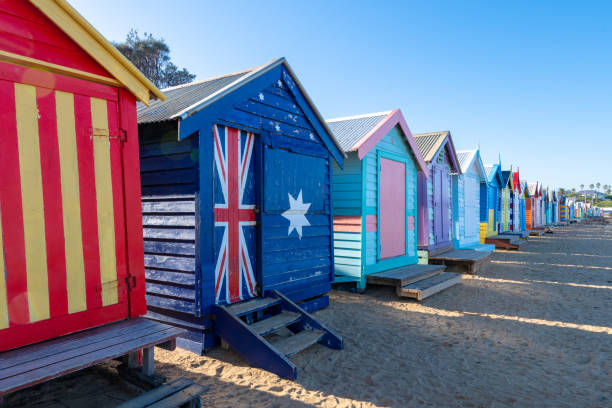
64	218
392	210
359	188
290	163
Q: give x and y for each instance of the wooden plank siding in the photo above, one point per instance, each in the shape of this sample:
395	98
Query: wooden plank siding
466	208
169	179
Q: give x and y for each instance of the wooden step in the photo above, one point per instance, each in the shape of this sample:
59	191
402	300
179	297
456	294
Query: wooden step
404	275
467	255
430	286
298	342
252	305
536	233
272	324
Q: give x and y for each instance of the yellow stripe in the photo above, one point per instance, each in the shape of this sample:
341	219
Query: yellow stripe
4	321
32	201
104	198
71	200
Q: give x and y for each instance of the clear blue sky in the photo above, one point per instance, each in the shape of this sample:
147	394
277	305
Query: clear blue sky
531	81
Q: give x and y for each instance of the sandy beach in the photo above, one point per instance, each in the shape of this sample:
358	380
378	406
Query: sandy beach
534	329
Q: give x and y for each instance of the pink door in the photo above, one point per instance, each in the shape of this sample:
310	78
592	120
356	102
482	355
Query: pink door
392	208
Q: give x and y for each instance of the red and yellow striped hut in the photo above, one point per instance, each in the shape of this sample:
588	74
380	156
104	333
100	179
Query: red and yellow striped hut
71	253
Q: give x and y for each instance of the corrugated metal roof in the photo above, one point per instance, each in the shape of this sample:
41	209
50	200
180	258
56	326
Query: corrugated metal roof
488	170
179	98
350	130
465	158
429	143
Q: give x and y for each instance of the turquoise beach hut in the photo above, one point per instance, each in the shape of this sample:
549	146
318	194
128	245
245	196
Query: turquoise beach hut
374	195
466	192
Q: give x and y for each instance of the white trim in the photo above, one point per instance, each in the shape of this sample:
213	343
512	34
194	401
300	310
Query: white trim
365	115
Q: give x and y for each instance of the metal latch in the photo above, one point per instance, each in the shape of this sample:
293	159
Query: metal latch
119	134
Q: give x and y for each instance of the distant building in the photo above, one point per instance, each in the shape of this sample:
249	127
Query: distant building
598	195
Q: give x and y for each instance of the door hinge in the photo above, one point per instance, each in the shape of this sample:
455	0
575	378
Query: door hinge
130	282
119	134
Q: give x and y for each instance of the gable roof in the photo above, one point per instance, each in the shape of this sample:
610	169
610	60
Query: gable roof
493	172
361	133
430	145
187	100
525	187
507	178
468	157
99	48
182	97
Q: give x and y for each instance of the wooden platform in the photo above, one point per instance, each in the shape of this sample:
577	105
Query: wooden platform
520	234
181	392
505	242
536	232
461	260
30	365
404	275
432	285
416	281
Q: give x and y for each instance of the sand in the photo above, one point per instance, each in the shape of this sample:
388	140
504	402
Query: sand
534	329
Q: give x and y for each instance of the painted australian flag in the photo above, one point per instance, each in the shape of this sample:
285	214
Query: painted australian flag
235	234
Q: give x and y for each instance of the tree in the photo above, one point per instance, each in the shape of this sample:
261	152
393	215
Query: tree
561	191
598	185
582	186
152	57
573	191
591	186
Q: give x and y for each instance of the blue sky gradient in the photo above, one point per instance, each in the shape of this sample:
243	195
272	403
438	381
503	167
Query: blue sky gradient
530	81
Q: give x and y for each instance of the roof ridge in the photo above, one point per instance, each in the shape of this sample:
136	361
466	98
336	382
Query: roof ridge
431	133
364	115
201	81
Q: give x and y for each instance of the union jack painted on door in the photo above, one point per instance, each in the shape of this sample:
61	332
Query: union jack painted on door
235	219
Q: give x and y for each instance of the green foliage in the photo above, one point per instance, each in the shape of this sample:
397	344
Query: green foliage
152	56
604	203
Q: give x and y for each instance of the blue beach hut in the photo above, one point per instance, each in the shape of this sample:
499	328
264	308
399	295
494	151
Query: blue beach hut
375	195
237	213
466	193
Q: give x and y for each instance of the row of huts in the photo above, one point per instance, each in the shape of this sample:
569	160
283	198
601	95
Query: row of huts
225	207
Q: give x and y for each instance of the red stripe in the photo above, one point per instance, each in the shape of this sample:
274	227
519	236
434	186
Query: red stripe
118	201
133	206
233	240
44	79
52	198
12	210
221	215
87	187
34	332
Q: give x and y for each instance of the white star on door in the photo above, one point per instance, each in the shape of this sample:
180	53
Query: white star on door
296	214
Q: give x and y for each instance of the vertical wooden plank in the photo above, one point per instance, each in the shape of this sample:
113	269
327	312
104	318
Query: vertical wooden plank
32	201
52	196
148	368
4	317
69	174
118	200
133	206
87	190
104	201
12	216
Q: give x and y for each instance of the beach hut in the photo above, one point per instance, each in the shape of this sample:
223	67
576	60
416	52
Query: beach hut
466	197
524	198
507	191
494	182
515	210
70	232
236	175
375	205
71	243
434	210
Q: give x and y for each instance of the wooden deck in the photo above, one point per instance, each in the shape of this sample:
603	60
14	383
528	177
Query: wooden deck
430	286
461	260
404	275
519	234
536	233
416	281
505	242
30	365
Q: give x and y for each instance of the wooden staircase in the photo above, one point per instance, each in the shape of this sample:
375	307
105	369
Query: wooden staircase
266	331
416	281
506	242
